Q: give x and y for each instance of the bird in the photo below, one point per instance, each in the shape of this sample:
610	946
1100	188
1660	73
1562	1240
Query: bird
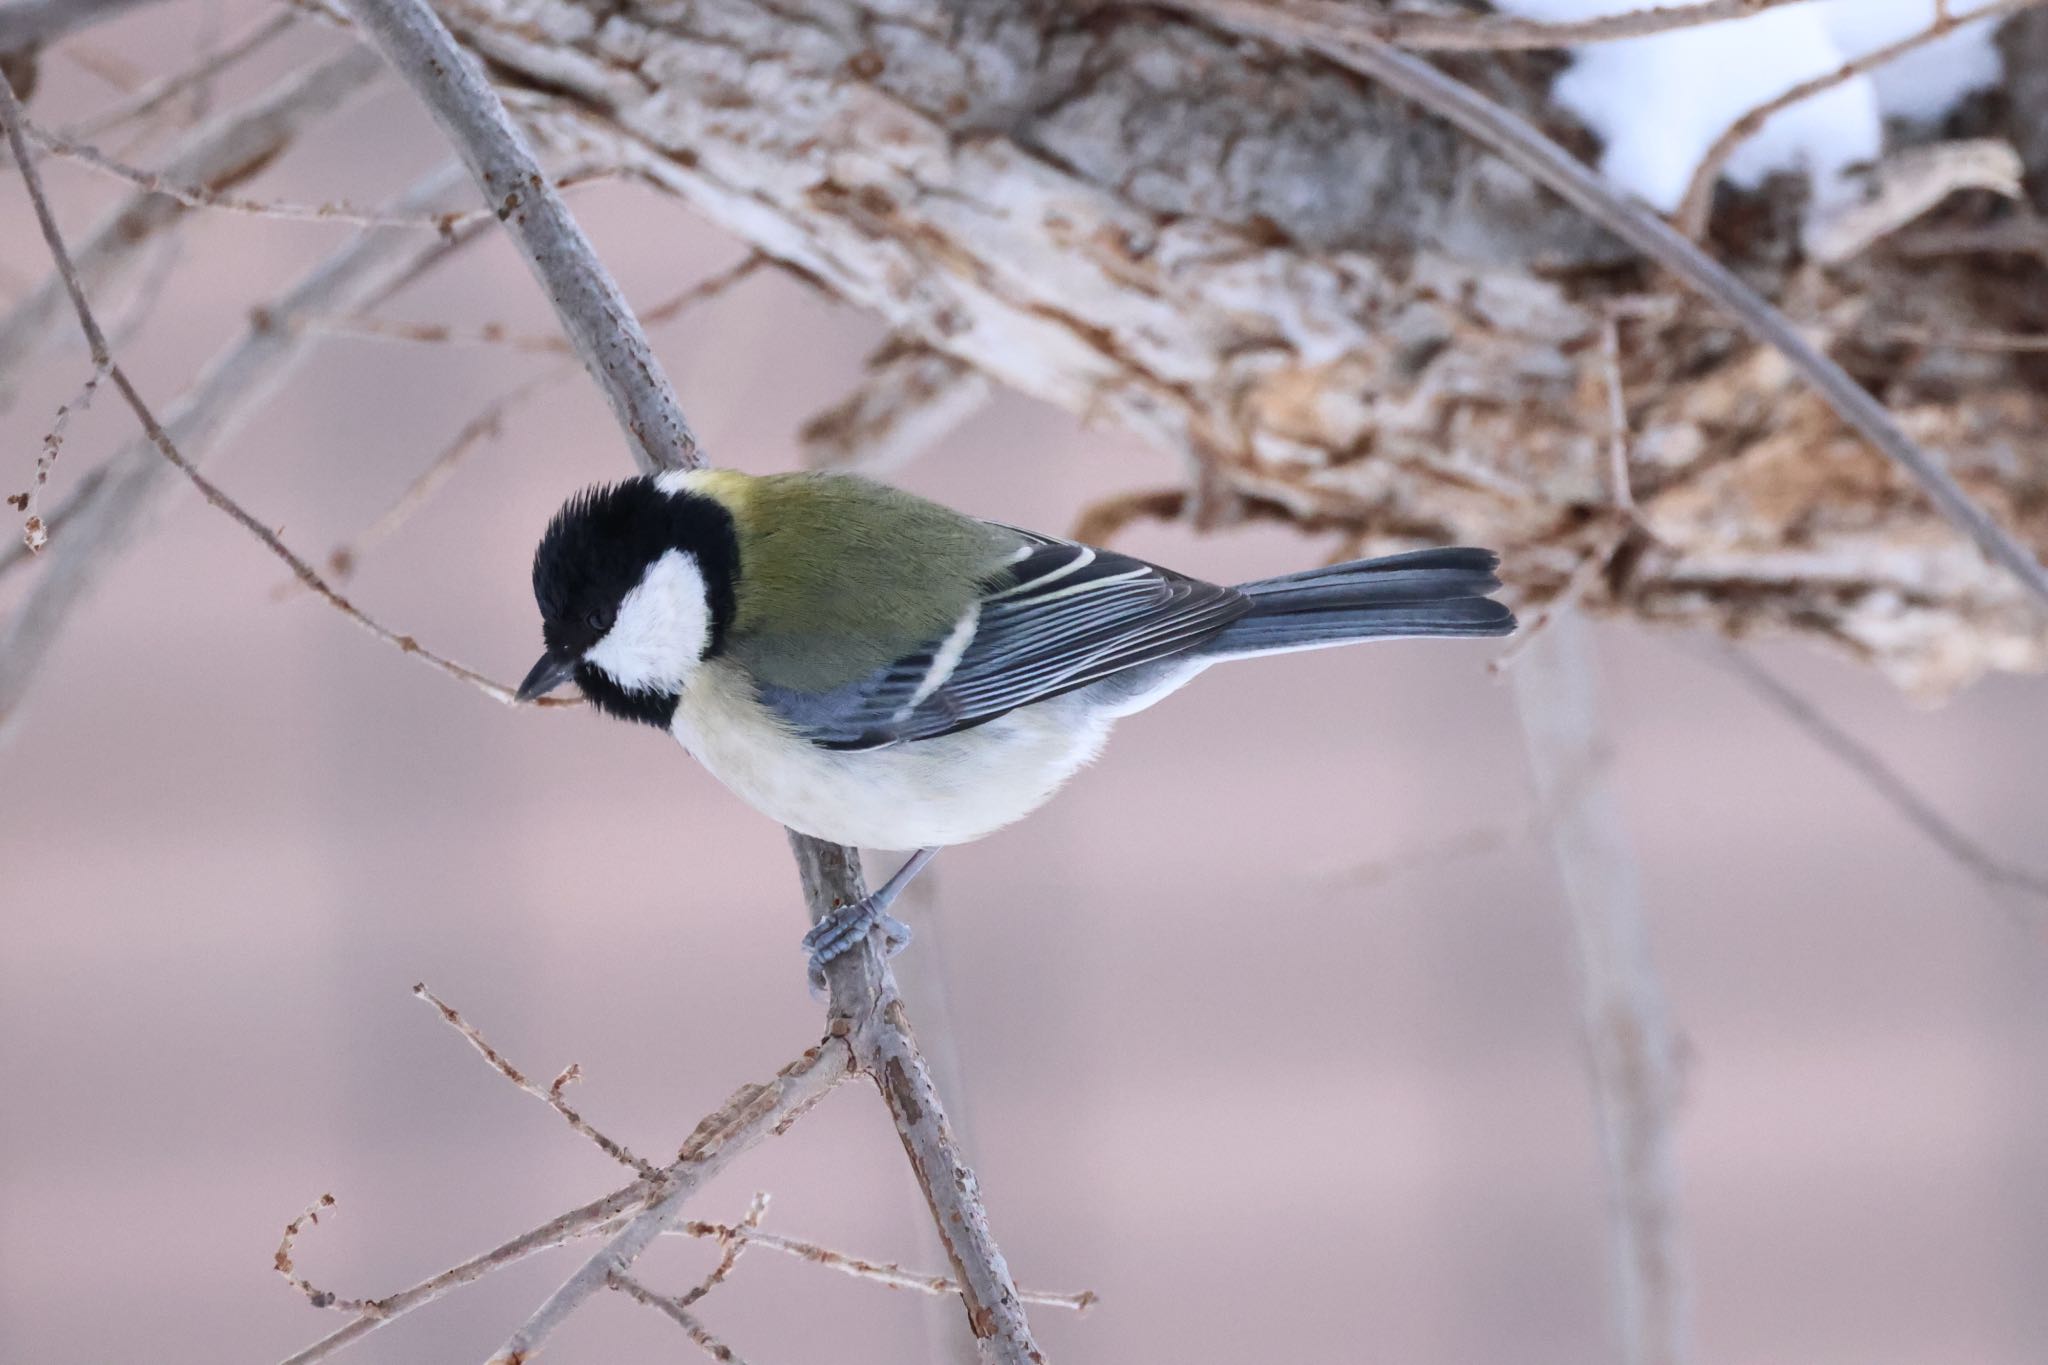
875	669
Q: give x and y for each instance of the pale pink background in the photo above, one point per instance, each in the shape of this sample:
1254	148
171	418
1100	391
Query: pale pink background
234	832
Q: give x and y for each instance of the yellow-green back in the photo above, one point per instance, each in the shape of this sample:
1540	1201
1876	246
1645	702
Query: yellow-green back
840	575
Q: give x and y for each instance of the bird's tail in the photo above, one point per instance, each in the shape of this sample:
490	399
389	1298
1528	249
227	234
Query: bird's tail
1423	592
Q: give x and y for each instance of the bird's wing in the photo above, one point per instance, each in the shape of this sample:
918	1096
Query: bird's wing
1058	617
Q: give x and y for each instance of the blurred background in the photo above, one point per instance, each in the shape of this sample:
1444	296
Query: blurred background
1268	1025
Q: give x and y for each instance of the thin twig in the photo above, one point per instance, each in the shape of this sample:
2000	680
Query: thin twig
1506	33
1995	873
227	391
673	1308
593	311
1698	202
1629	1039
1521	144
35	532
1959	339
909	398
158	93
200	197
550	1095
226	150
754	1113
82	492
1470	843
731	1248
348	556
881	1272
38	23
318	1297
10	114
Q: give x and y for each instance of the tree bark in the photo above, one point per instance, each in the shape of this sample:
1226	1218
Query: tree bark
1333	307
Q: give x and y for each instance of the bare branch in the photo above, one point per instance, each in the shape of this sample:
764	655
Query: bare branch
17	552
10	116
1505	33
229	389
731	1247
674	1309
1997	875
551	1096
490	422
1909	184
318	1297
881	1272
38	23
593	312
225	150
1633	1051
867	1011
753	1113
910	398
200	197
35	533
1693	209
1515	139
159	93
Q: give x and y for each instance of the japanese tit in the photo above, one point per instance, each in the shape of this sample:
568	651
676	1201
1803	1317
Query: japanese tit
871	668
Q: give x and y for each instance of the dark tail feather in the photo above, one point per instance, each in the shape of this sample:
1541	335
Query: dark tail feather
1423	592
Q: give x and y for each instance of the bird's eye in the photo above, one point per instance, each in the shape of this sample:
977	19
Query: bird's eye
599	621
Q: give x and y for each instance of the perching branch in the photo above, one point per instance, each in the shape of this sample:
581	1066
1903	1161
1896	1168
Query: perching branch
864	1006
868	1012
1524	146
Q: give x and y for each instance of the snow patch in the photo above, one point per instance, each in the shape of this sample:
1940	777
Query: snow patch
1659	102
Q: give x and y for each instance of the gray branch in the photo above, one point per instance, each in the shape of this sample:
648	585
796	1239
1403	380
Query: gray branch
1629	1040
865	1007
592	310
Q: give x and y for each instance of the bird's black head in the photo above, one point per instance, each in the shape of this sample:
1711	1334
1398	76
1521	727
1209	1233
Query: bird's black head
635	582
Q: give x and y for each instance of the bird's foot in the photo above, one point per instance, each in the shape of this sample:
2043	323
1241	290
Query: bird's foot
845	927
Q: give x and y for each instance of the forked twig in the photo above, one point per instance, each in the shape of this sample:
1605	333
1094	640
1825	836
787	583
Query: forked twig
550	1095
675	1310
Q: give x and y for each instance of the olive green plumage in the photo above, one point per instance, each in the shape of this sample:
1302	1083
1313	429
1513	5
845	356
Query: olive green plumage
826	600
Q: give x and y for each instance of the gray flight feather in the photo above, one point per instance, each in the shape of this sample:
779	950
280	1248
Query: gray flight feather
1065	616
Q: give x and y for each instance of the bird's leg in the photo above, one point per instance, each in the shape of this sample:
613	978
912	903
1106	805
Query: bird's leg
849	924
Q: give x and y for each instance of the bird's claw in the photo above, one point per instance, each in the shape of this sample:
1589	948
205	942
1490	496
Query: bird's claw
846	927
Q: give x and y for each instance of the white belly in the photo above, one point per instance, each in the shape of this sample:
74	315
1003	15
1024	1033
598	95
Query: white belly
930	793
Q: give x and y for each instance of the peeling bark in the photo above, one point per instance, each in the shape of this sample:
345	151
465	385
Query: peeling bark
1334	307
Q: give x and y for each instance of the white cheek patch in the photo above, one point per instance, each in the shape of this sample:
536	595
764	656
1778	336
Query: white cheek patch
662	630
